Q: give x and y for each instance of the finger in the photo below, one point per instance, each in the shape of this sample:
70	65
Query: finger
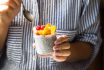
61	46
3	8
18	2
59	58
9	5
4	1
62	53
10	12
61	39
12	4
8	2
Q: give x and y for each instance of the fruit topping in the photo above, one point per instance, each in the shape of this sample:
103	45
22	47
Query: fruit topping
47	29
38	27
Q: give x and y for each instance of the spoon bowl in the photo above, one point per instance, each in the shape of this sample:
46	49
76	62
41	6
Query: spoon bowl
27	14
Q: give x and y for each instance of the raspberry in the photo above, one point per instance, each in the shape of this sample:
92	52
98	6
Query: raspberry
38	27
42	27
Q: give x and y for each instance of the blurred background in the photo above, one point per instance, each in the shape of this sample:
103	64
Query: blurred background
98	63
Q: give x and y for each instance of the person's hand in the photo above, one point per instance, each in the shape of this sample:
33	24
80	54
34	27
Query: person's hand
61	49
8	10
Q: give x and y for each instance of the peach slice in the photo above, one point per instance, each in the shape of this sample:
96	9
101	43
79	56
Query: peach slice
53	29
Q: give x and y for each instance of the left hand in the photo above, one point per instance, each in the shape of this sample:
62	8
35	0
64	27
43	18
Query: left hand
8	10
61	49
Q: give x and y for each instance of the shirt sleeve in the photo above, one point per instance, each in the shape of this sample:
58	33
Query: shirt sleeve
89	30
89	22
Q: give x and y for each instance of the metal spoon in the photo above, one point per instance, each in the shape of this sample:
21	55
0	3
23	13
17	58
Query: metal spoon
27	14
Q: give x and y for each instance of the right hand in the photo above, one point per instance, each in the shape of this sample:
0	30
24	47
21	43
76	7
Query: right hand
12	7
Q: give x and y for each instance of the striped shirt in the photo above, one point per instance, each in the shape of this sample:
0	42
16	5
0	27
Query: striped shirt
77	18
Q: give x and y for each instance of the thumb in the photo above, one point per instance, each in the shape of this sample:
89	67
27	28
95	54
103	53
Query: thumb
3	8
3	1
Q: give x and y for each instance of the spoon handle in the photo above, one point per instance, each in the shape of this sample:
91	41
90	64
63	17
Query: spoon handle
27	13
23	6
40	20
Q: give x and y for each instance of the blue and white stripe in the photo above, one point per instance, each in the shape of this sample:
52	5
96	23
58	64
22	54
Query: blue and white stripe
76	18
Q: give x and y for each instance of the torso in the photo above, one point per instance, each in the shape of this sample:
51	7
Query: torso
62	13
